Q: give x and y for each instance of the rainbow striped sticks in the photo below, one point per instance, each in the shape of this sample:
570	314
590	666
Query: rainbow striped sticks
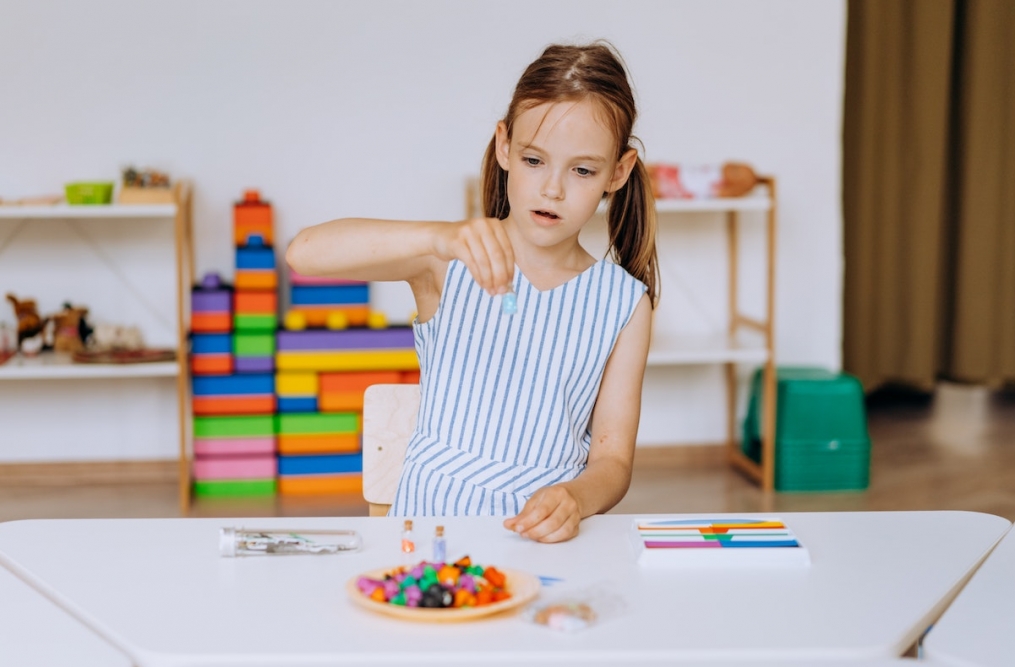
719	542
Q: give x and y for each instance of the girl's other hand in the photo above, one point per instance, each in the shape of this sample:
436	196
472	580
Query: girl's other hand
550	515
483	246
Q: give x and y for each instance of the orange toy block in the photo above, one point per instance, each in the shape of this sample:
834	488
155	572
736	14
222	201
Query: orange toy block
252	217
410	377
340	443
234	405
312	485
255	303
345	382
256	279
211	322
211	364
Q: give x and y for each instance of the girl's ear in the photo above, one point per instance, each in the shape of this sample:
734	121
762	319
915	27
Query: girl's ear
503	144
623	170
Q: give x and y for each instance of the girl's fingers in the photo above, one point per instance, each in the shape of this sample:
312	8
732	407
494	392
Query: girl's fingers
507	253
480	264
556	524
564	533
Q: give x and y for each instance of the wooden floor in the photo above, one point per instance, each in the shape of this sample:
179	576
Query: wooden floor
953	450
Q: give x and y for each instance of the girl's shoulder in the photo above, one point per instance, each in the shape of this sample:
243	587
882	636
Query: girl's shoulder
616	274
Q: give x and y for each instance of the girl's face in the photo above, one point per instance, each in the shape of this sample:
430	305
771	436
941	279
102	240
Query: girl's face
560	160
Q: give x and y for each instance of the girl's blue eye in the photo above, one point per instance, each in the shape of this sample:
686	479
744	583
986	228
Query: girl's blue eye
584	171
532	161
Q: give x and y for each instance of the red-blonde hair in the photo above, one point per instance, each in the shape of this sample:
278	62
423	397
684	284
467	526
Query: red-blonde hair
596	73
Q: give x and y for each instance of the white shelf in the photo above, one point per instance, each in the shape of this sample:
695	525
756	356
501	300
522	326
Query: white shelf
752	202
64	211
54	366
681	350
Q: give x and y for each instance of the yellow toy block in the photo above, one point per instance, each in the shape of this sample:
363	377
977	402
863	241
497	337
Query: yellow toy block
337	321
297	384
377	320
295	321
356	360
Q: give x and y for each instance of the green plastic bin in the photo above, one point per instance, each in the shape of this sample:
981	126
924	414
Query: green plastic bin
821	440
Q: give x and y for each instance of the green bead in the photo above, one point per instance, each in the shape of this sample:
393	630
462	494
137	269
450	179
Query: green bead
408	581
399	599
476	571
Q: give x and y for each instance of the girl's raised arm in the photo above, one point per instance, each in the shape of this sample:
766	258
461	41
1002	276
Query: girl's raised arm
417	252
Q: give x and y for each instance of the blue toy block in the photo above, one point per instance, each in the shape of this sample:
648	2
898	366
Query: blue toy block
256	257
327	464
297	404
212	343
329	295
234	385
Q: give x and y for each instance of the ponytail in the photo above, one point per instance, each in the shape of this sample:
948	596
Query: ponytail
493	185
631	216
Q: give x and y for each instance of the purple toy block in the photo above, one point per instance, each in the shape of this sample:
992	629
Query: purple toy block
349	339
254	364
218	301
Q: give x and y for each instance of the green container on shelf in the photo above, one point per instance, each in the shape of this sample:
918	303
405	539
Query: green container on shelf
821	440
99	192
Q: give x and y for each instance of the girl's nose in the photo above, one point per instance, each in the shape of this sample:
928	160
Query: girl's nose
553	186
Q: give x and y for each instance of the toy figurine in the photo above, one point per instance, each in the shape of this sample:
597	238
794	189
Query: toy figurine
70	322
30	324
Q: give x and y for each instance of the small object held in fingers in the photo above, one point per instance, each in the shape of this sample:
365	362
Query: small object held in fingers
510	303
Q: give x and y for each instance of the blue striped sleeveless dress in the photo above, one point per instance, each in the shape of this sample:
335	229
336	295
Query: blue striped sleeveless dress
506	400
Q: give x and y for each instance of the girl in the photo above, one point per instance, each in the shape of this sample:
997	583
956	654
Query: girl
530	409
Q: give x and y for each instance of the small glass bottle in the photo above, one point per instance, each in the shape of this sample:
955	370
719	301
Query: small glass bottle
279	541
440	546
408	543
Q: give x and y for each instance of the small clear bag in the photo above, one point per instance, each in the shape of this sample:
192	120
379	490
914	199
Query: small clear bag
238	541
576	610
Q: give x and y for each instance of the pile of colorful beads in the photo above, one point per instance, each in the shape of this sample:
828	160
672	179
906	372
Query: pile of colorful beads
438	585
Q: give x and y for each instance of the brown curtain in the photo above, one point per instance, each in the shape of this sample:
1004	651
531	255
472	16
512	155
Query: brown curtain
929	191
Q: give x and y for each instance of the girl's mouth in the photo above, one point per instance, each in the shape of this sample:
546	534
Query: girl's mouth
547	215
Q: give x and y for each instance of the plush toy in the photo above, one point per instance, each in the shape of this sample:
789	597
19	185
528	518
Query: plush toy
69	324
731	179
109	337
30	324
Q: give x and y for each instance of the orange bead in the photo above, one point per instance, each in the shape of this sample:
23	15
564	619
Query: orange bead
500	595
483	597
464	598
464	561
378	594
495	577
448	575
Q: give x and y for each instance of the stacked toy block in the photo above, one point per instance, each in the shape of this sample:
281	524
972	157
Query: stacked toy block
321	377
235	403
326	302
211	325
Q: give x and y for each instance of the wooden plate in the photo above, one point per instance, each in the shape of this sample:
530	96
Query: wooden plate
522	586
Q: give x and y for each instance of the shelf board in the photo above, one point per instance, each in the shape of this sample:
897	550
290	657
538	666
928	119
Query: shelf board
752	202
680	350
66	211
55	366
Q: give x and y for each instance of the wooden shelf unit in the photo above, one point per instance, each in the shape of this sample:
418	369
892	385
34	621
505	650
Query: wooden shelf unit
52	366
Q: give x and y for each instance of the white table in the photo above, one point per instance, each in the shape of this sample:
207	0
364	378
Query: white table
158	590
34	632
979	627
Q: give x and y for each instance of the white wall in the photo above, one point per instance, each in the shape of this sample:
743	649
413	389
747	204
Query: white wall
382	109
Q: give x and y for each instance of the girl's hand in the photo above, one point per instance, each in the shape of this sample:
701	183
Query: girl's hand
550	515
483	246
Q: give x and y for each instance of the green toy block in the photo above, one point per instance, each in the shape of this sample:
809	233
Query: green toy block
821	440
318	423
234	427
255	322
254	344
234	488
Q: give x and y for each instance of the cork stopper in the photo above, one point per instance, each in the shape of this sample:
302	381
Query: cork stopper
408	524
440	531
